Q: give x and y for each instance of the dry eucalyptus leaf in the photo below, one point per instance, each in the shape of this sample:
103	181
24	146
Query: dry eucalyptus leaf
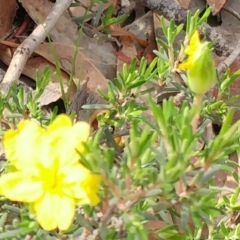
51	93
84	69
65	29
78	11
7	14
142	28
128	52
216	5
33	64
40	64
99	51
184	3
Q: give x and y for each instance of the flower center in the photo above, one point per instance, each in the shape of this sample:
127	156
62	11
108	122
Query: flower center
50	179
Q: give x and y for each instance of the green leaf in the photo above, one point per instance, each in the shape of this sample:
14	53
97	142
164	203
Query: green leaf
3	219
10	234
117	20
227	122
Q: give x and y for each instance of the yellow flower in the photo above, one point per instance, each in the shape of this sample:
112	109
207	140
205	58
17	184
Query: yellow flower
199	65
48	174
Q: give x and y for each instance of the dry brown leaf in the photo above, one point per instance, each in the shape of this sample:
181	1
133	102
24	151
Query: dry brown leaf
184	3
216	5
99	51
152	45
64	29
7	14
84	69
51	93
128	51
79	11
155	224
117	31
40	64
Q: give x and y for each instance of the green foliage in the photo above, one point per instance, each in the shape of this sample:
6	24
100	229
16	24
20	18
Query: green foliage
101	20
160	182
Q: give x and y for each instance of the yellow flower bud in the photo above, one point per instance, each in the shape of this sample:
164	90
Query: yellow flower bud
199	65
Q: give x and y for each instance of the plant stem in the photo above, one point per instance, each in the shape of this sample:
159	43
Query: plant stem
197	102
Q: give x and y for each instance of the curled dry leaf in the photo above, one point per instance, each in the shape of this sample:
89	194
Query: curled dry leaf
216	5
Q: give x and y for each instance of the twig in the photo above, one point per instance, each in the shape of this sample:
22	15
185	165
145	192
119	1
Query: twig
223	66
233	12
24	51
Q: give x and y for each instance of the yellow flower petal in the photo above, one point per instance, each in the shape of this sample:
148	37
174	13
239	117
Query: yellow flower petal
86	192
73	177
78	134
193	44
18	186
50	178
54	210
68	143
75	173
185	65
60	121
20	145
81	130
63	141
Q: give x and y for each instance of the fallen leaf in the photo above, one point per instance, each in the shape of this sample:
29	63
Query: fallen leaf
127	53
117	31
155	224
39	10
152	45
7	14
83	68
216	5
80	11
142	28
51	93
99	51
40	63
184	3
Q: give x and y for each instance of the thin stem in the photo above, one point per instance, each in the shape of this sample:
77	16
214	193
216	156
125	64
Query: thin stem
197	102
171	55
